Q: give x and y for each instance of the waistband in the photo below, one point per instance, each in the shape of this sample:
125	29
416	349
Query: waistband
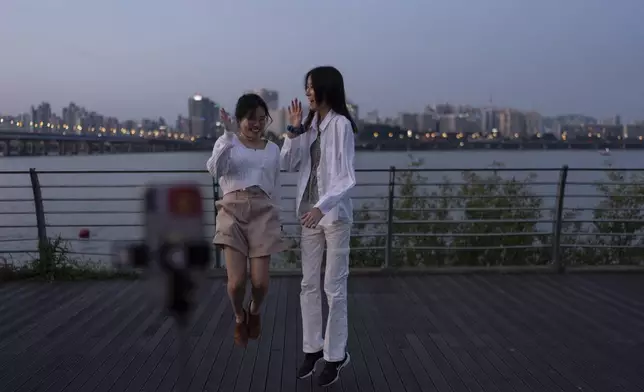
252	192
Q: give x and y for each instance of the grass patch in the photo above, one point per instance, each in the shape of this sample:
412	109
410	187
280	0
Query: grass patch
55	262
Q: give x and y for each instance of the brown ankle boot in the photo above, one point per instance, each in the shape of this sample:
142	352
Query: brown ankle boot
241	331
254	324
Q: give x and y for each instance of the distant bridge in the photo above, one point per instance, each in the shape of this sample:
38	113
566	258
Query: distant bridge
15	142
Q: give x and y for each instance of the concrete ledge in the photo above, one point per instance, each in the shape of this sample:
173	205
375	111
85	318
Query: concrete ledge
516	270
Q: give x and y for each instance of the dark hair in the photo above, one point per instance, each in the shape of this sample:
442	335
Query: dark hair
247	104
328	85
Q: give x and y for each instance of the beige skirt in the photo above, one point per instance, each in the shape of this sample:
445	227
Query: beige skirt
249	221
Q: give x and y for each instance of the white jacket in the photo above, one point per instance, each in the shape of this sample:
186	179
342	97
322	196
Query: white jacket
335	173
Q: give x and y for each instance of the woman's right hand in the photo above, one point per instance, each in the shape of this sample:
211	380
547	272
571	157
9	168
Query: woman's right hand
295	113
294	116
229	126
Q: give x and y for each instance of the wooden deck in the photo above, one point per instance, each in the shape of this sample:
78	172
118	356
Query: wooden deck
487	333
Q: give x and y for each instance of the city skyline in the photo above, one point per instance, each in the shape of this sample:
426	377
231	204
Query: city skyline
395	57
185	113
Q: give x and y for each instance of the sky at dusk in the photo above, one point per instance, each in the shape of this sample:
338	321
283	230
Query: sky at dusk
144	58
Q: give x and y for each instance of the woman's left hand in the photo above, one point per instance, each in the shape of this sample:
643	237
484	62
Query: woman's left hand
311	218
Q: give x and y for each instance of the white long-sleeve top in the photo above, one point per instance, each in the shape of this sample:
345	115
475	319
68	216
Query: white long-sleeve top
237	167
335	173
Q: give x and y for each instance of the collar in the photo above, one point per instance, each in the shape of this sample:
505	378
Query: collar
325	122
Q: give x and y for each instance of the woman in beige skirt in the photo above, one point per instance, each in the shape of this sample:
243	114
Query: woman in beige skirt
248	216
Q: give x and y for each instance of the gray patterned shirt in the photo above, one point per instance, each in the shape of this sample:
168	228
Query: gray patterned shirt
311	194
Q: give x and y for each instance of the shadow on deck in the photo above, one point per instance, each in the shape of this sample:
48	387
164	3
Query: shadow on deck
429	333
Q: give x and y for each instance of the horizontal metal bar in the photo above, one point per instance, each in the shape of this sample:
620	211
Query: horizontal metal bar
366	209
17	239
499	247
600	195
573	209
15	186
581	234
16	200
603	221
600	169
297	250
106	212
99	225
129	186
110	199
369	222
470	248
460	183
430	197
472	221
604	183
17	213
17	226
384	170
92	254
467	235
2	251
590	246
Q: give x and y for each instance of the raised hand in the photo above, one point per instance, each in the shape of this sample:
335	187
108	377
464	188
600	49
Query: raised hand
229	125
295	113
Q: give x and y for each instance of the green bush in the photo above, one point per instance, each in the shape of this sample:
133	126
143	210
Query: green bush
430	226
55	262
615	234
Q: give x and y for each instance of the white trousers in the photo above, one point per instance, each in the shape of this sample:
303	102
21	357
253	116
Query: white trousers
337	238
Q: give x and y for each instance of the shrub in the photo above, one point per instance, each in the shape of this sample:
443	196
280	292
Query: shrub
429	226
614	235
55	262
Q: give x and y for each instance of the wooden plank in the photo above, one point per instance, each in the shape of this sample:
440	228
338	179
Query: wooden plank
254	369
374	361
492	335
441	332
290	365
276	360
35	354
24	315
536	331
157	363
200	335
452	352
87	343
199	351
393	320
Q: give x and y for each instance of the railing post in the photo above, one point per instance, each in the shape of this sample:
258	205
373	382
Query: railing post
40	212
556	227
215	197
390	216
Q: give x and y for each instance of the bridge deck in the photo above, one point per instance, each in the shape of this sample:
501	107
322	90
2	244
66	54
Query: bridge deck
444	333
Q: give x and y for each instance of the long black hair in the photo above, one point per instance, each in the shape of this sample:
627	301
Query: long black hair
328	84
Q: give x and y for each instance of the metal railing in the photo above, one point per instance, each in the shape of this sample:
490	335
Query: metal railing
402	217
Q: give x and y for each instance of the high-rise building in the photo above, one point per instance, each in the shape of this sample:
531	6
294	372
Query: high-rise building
372	117
203	115
533	124
512	123
278	125
42	117
354	110
408	121
271	97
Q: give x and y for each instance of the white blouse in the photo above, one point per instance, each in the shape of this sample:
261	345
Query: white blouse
335	173
239	167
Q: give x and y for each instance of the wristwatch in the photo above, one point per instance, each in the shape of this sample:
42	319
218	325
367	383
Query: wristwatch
296	130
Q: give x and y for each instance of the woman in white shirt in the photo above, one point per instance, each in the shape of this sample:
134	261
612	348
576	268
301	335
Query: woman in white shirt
248	216
322	150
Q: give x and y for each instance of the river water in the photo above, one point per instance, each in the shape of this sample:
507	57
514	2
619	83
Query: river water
119	220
